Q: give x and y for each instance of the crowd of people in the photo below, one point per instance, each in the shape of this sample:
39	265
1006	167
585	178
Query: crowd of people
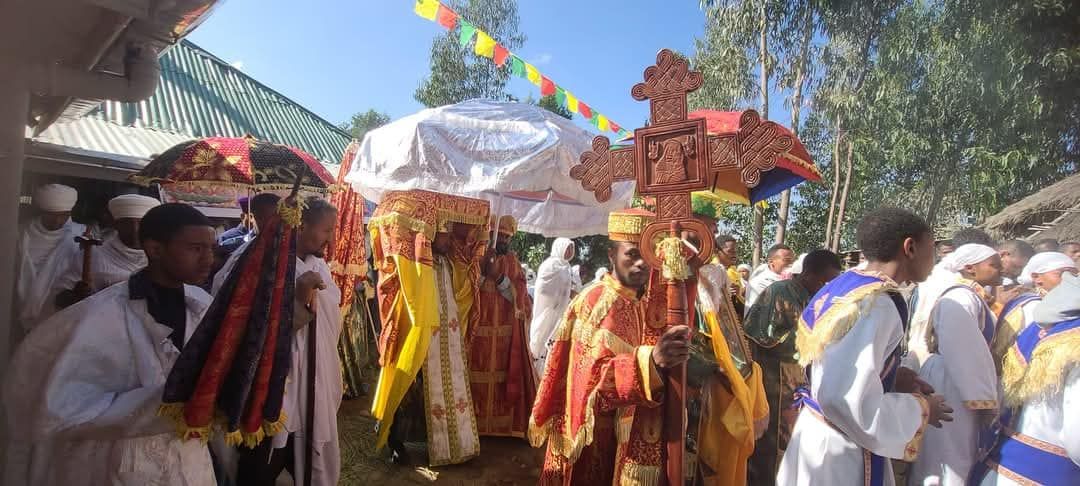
954	358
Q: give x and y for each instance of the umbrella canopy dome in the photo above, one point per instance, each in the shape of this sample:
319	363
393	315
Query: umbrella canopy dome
516	155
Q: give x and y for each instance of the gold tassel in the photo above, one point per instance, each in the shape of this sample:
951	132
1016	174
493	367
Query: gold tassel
291	211
1045	373
674	263
234	438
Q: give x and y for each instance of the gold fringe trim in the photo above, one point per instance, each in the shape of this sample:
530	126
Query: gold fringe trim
834	323
291	211
674	263
397	225
352	269
174	412
444	216
639	475
1045	374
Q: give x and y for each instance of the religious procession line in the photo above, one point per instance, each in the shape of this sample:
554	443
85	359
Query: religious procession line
486	46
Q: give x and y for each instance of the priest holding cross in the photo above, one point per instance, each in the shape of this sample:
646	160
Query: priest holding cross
612	403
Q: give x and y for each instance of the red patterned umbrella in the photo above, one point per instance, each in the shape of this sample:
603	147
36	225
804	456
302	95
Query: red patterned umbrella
238	162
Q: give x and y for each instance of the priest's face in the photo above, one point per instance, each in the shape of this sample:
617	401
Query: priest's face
127	229
55	221
441	244
1050	280
188	257
316	234
628	264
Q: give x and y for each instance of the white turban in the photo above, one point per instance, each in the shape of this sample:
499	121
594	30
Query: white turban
743	266
55	198
968	254
131	206
1045	262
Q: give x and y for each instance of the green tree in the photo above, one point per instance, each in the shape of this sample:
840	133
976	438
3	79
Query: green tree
364	122
550	103
457	73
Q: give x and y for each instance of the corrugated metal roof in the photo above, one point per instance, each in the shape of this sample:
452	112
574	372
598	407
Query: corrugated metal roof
200	95
108	139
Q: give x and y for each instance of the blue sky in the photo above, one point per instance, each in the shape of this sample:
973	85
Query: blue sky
338	57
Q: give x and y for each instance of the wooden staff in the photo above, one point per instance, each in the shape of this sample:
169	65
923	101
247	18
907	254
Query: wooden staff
675	397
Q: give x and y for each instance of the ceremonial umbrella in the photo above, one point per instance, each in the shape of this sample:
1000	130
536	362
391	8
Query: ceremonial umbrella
515	155
231	373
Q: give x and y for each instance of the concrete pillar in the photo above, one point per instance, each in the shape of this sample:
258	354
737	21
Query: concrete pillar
14	104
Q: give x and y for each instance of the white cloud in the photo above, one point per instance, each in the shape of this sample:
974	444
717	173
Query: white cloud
542	59
238	65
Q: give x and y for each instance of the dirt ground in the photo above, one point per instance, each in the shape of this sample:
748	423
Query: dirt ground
502	461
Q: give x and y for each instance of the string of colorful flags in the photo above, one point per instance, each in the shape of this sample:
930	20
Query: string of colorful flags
486	46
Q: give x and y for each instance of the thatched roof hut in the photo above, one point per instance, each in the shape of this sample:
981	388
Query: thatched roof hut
1053	212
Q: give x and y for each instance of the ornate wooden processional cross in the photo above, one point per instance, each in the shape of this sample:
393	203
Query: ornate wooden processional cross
671	158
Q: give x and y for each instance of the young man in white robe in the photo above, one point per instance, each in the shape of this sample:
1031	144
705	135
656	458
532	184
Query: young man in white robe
961	367
861	408
1018	302
1040	437
926	293
318	311
119	255
553	292
84	388
46	244
779	259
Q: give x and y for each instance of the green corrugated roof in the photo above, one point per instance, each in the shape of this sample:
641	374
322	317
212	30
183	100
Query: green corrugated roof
200	95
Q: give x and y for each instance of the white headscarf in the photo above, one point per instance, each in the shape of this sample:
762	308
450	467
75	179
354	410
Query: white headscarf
600	272
1045	262
743	266
969	254
550	298
1060	304
55	198
796	268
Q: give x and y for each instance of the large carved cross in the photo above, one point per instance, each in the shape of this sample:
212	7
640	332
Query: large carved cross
671	158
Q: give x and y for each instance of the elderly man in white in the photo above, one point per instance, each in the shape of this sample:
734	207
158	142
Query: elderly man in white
554	285
960	367
45	247
119	255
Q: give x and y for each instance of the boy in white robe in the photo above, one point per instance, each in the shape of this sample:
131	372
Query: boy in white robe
778	261
961	367
1040	440
862	409
45	246
119	255
552	295
315	294
86	384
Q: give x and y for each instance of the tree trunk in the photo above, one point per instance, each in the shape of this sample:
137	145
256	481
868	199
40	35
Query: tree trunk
835	182
763	57
843	201
941	184
796	110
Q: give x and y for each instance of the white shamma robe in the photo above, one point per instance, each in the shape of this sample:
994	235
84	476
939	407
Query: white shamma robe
552	295
83	390
856	415
43	255
111	263
960	368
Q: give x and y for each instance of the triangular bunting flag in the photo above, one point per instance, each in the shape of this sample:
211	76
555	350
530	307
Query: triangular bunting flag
571	102
485	45
547	88
532	74
501	55
584	110
560	96
447	18
426	8
624	133
517	66
467	31
615	127
602	123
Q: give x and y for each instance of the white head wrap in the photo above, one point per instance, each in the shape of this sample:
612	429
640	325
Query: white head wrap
743	266
796	268
968	254
559	246
55	198
1045	262
600	272
131	206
